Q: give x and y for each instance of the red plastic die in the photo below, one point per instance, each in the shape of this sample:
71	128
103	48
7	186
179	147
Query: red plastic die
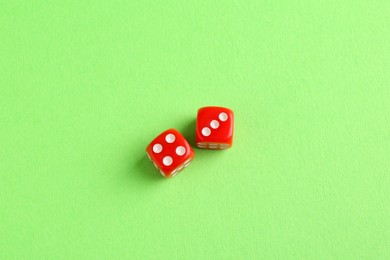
214	128
170	153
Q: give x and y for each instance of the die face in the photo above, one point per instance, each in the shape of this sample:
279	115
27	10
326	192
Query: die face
214	128
170	152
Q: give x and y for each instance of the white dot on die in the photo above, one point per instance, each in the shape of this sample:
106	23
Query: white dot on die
167	161
214	124
170	138
180	150
223	116
206	131
157	148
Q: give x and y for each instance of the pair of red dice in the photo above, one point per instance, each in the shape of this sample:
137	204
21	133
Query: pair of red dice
170	152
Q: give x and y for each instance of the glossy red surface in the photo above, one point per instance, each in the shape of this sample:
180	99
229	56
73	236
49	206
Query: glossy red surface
214	128
170	152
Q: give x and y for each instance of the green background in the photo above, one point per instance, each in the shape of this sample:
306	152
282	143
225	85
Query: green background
86	85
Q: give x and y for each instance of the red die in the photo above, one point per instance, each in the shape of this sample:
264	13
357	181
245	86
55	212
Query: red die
214	128
170	152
